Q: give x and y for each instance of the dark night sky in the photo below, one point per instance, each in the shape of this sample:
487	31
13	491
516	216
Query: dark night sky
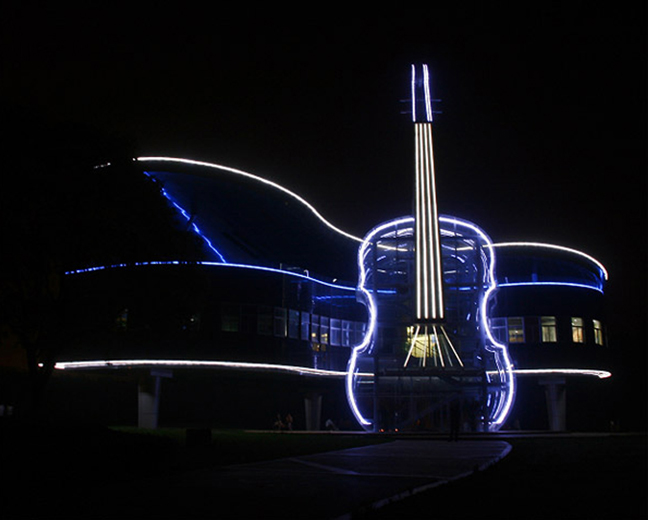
542	133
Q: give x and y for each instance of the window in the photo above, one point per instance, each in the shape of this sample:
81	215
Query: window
548	329
347	333
578	330
498	327
121	321
315	328
293	324
598	332
265	317
336	332
305	326
516	330
359	333
324	329
280	322
230	318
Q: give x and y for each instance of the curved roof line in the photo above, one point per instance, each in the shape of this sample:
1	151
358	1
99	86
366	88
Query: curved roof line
337	229
256	178
559	248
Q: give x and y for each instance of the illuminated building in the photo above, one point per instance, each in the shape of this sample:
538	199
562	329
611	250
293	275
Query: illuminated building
284	312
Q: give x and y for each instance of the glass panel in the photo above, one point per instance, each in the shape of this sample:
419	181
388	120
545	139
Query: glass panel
293	324
315	328
336	332
347	338
324	329
516	330
305	326
549	331
265	321
598	332
230	318
578	330
280	322
498	328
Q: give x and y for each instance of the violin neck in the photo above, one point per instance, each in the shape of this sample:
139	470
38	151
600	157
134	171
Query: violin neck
429	304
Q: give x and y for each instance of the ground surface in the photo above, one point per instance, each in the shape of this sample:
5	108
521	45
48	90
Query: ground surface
554	476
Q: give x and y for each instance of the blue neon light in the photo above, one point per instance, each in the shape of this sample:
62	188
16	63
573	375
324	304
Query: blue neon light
214	264
558	284
186	215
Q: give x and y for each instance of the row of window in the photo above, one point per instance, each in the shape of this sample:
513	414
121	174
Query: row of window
290	323
514	330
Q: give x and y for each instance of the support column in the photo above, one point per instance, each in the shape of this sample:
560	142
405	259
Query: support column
313	409
148	398
556	395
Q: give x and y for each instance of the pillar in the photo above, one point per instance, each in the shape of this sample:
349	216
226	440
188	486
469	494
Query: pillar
556	396
148	398
313	409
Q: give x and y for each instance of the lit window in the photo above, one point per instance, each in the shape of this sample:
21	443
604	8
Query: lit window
324	329
548	329
598	332
315	328
578	330
516	330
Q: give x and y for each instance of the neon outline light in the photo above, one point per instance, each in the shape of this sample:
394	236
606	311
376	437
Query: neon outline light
182	363
213	264
559	284
256	178
186	215
559	248
500	351
601	374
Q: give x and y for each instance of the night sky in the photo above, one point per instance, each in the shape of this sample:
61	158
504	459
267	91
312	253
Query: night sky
541	137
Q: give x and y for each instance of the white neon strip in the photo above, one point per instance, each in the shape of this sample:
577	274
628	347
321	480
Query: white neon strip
183	363
411	349
438	266
430	303
438	346
418	234
413	87
451	346
553	246
601	374
426	87
256	178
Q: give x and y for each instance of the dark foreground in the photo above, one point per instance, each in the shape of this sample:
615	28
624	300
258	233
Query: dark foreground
54	470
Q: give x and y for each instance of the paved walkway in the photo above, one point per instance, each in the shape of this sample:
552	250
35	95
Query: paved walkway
327	485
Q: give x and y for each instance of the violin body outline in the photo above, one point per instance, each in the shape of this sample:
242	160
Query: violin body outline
385	260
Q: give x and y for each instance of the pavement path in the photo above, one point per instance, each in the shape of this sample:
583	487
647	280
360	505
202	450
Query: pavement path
339	484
